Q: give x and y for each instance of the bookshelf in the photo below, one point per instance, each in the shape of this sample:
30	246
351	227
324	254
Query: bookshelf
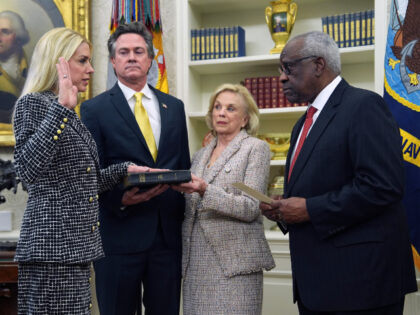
349	55
362	66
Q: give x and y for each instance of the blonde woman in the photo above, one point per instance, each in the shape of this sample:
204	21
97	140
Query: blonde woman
56	157
224	247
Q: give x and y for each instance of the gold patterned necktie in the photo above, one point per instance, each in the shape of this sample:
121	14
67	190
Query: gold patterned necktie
144	124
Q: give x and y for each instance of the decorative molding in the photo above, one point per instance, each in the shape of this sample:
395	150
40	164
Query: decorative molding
278	274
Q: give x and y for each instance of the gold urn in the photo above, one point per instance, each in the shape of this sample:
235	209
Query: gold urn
280	18
276	187
279	144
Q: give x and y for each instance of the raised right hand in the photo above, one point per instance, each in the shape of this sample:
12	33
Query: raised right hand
67	92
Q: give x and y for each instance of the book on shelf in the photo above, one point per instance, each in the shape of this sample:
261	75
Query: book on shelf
267	103
207	40
336	31
146	180
198	44
193	45
363	28
231	42
368	29
211	43
330	24
217	42
239	40
222	42
254	89
324	23
350	29
268	92
260	89
228	40
341	30
357	20
202	44
274	91
347	19
248	83
373	26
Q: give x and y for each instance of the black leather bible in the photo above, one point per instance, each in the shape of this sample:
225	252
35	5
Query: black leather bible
150	179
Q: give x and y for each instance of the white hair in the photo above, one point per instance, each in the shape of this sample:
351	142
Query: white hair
321	45
18	25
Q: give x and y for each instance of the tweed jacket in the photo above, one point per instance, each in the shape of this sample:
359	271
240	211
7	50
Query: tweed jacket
231	221
56	157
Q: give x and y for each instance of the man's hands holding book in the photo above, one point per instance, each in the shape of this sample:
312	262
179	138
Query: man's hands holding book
134	195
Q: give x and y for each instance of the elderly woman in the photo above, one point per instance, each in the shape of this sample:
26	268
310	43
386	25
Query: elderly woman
224	247
56	157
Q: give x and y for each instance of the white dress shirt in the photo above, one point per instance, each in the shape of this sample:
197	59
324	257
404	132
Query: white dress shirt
150	103
319	104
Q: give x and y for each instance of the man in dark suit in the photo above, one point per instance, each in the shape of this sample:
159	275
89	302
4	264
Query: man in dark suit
344	179
141	231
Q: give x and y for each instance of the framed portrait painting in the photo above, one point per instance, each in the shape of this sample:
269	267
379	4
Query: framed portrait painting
22	23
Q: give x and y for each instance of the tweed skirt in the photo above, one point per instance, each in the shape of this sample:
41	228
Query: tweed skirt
45	288
207	291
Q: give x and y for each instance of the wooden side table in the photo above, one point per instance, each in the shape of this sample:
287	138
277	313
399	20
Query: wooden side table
8	282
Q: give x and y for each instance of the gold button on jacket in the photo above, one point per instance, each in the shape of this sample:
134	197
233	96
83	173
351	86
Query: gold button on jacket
55	172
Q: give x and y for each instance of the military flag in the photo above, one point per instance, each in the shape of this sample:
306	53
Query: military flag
147	12
402	94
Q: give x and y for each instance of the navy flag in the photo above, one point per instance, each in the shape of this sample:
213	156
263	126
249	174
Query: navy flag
402	94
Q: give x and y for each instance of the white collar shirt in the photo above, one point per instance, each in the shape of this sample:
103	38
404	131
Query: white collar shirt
319	104
150	103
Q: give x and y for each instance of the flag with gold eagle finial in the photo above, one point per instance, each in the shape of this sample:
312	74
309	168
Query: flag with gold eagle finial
402	94
147	12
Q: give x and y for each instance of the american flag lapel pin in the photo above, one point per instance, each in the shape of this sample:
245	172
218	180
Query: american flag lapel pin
164	106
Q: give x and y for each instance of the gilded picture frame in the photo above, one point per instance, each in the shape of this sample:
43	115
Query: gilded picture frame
38	16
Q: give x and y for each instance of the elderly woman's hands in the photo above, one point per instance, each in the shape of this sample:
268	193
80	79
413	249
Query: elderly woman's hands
196	184
272	211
